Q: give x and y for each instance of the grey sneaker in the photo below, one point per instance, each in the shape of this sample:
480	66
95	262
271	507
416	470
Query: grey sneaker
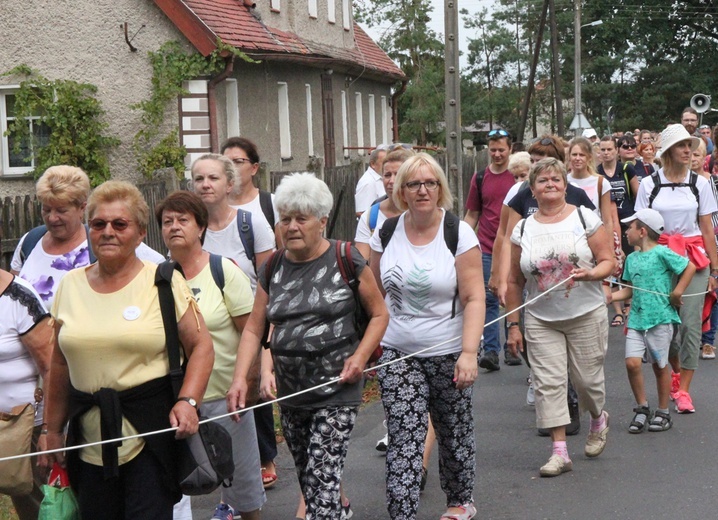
555	466
490	361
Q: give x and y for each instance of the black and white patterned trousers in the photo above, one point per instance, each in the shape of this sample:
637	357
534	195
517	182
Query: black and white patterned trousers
409	389
318	440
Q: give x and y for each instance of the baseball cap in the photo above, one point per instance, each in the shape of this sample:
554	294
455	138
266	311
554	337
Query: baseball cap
589	133
649	217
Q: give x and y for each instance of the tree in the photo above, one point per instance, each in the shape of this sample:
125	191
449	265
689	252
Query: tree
417	49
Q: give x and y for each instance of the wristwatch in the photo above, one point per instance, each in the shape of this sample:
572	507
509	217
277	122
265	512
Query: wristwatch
510	324
190	400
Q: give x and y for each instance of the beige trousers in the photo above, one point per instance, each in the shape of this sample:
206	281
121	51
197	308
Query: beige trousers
559	348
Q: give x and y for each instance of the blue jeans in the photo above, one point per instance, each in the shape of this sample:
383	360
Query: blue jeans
709	336
492	339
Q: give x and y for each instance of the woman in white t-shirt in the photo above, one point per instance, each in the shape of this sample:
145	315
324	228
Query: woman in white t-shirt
24	356
371	219
566	330
213	178
685	201
428	290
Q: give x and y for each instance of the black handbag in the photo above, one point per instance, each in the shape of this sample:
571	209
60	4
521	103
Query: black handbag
205	458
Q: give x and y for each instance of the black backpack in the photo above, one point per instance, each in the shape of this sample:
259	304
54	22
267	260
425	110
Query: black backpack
451	238
692	184
35	235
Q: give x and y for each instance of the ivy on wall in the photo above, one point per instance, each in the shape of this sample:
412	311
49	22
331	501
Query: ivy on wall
171	67
74	118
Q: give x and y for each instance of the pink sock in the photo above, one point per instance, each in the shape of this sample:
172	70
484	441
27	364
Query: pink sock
559	448
598	424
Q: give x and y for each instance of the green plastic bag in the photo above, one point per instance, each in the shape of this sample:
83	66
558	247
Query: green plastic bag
59	504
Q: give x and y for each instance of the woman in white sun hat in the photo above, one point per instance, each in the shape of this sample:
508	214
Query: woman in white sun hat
685	201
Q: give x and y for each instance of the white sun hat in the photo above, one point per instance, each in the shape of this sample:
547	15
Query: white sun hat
674	134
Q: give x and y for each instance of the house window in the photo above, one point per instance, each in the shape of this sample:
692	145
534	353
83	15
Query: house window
19	161
313	8
332	11
310	124
384	121
372	121
233	128
345	123
285	137
274	5
346	14
360	123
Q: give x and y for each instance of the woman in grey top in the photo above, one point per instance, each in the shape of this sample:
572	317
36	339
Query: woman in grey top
315	340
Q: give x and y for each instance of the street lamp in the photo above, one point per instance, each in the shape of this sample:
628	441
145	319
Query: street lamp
579	122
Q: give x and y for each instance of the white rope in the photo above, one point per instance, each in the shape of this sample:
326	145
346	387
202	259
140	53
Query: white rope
633	287
239	412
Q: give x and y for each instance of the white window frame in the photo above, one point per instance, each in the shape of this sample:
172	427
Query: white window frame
346	14
5	167
360	122
332	11
384	121
313	9
345	123
274	5
372	121
285	136
310	120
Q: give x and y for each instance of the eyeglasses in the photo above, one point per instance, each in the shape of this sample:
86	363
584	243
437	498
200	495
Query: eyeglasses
240	161
502	133
414	186
628	146
118	224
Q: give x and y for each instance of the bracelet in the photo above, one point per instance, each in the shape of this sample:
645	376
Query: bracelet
714	276
43	431
510	324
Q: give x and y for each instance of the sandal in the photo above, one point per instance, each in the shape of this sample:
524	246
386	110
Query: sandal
636	425
468	512
268	479
661	422
617	321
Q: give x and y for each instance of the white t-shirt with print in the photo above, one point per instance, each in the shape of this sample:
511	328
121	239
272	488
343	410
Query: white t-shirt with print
364	232
255	208
420	284
549	252
227	242
678	206
590	186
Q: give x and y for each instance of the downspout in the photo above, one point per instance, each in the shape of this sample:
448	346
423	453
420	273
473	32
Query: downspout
212	102
395	110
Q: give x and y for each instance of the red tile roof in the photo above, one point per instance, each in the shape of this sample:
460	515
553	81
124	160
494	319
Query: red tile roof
204	21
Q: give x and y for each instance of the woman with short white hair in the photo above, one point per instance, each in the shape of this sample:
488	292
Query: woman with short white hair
302	291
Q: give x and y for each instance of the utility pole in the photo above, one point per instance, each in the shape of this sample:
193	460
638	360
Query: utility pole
558	96
452	108
579	120
532	74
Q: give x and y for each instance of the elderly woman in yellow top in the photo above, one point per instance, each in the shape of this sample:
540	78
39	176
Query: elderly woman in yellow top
109	374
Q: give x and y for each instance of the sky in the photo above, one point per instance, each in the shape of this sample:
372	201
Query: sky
437	21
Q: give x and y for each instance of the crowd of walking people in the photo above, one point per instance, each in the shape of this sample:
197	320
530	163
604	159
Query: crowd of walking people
267	307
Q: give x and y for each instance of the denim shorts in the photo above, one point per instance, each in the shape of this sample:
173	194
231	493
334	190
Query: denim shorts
655	342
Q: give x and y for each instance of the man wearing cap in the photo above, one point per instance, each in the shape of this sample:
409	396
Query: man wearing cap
685	201
487	192
591	135
370	186
650	271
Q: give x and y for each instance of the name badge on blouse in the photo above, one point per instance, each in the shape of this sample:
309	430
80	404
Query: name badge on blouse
578	230
131	313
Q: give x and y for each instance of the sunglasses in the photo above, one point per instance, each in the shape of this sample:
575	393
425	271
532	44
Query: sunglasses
550	142
502	133
415	186
628	146
118	224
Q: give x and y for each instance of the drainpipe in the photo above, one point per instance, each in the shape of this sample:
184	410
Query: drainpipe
212	102
395	110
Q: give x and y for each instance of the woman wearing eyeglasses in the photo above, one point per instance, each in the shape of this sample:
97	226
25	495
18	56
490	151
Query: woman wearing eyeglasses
428	290
109	375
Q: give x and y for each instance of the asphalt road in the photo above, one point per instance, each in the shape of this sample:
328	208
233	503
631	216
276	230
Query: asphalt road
668	475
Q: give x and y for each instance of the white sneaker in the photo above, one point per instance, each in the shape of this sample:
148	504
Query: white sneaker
383	443
531	396
708	352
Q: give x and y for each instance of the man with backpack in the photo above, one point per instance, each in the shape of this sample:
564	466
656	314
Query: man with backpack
483	209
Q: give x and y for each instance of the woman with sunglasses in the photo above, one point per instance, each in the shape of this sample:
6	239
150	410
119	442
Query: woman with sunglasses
428	290
686	202
109	374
